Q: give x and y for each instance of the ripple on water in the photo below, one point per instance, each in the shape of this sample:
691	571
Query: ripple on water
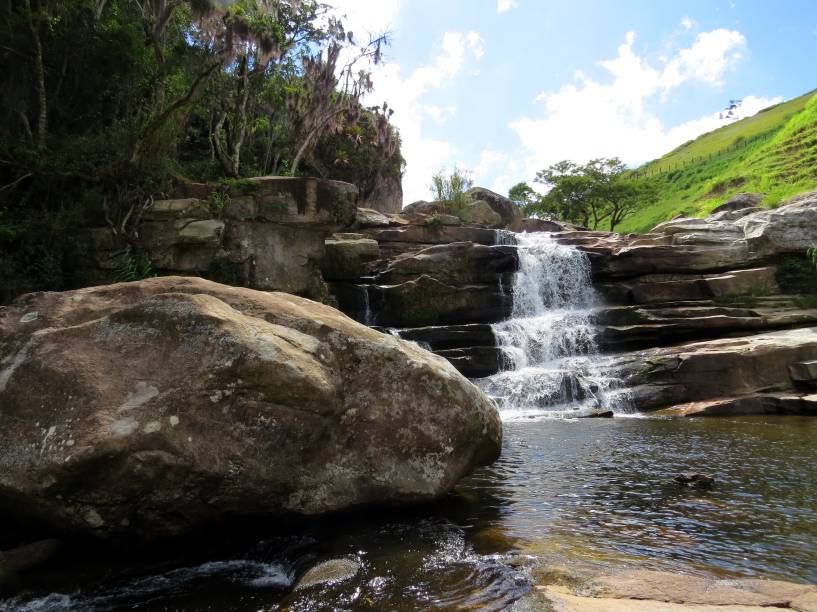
591	492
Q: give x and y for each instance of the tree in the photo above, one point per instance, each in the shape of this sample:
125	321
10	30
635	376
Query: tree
590	194
525	197
105	105
570	196
329	96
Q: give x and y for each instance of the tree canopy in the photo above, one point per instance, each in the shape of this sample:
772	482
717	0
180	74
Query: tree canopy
600	192
105	103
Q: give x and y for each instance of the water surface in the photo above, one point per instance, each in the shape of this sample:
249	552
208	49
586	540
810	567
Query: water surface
594	493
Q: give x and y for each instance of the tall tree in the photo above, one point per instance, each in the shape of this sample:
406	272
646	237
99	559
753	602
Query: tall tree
590	194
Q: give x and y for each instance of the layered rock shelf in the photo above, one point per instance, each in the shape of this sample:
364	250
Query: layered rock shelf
689	293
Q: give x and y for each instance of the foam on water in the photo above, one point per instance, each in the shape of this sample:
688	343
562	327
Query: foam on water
549	348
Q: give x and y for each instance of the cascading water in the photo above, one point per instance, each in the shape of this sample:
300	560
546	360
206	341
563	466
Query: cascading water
548	344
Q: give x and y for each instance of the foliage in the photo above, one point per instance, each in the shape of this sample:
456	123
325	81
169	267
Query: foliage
526	198
450	189
776	154
796	274
218	200
365	152
133	266
590	194
434	220
107	104
812	255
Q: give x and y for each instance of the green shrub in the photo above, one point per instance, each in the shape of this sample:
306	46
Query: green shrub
218	200
450	190
796	274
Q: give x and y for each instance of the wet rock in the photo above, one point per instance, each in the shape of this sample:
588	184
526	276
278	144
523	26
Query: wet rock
427	301
804	372
662	325
145	409
457	263
647	591
746	405
28	556
697	371
474	361
328	572
696	480
589	413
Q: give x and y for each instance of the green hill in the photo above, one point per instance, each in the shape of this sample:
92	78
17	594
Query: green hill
773	152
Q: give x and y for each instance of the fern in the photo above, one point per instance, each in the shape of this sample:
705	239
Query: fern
812	255
133	267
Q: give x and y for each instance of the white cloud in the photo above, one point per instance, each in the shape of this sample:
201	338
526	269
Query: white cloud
439	114
364	17
503	6
688	23
706	60
424	155
475	44
589	118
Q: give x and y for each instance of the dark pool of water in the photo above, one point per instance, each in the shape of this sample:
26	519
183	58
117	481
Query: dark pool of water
592	492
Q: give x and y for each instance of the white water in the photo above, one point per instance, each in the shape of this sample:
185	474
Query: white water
548	344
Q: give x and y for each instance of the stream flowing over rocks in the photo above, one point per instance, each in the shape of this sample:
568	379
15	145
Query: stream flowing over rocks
698	312
148	408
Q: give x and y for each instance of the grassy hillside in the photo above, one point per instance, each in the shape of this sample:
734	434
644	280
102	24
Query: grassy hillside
773	152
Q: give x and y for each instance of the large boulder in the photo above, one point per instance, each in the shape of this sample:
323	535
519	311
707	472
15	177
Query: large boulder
506	208
663	377
148	408
481	213
740	201
347	255
790	228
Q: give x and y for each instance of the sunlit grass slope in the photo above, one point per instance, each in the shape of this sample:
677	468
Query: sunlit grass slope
773	152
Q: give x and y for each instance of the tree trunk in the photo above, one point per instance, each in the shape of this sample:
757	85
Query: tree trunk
39	79
160	119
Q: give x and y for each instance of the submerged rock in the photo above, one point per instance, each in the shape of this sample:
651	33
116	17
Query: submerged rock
696	480
28	556
148	408
329	572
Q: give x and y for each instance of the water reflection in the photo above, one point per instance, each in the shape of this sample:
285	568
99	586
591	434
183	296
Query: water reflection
608	486
589	493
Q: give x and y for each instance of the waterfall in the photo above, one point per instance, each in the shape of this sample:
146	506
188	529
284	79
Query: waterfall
551	362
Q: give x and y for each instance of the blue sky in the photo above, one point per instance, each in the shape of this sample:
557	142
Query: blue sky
507	87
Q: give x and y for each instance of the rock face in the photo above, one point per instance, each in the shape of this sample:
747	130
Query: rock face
508	212
699	371
687	280
727	240
266	234
649	591
386	194
148	408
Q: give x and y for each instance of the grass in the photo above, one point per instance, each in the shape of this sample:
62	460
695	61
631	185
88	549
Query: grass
773	152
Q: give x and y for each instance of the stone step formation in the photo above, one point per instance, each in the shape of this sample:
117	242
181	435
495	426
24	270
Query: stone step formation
714	296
